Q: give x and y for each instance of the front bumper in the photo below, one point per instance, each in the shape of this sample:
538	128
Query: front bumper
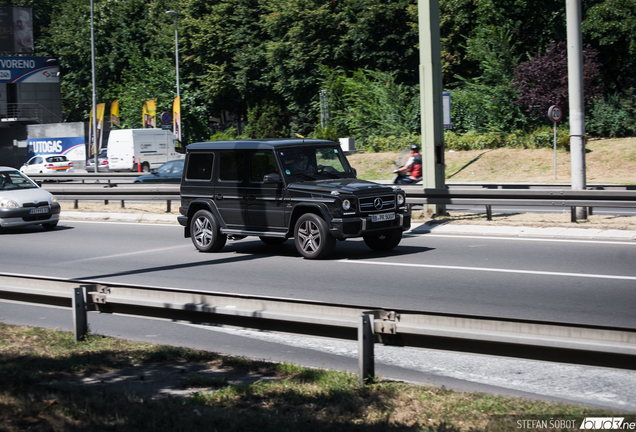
21	217
360	226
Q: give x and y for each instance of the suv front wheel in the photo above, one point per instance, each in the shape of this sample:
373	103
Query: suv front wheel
206	234
312	237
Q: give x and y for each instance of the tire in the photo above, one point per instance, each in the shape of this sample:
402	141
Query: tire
386	241
205	232
49	226
312	237
273	241
145	167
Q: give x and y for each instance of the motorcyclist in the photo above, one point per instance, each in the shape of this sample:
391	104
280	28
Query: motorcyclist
413	166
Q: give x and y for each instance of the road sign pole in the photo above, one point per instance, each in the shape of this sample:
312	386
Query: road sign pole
555	155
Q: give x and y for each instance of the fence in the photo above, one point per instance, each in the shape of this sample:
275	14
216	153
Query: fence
573	343
415	195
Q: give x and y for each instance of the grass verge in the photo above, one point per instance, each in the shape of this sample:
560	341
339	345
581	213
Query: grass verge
49	383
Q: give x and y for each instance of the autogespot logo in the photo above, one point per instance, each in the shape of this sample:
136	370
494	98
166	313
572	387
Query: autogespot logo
605	423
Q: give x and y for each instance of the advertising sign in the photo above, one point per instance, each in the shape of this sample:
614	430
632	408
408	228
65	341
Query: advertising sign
16	30
28	70
446	106
73	148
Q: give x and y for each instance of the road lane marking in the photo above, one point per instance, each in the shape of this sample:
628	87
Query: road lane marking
145	251
493	270
629	242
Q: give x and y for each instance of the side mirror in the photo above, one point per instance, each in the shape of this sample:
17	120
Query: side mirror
271	178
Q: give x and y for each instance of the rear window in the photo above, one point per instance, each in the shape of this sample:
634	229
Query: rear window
56	159
200	166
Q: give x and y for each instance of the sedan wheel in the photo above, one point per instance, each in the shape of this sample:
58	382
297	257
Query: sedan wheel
205	231
312	237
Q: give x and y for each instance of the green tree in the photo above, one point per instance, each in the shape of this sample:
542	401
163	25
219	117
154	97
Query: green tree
372	103
609	27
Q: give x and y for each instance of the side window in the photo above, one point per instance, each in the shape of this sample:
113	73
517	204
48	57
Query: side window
200	166
262	163
231	166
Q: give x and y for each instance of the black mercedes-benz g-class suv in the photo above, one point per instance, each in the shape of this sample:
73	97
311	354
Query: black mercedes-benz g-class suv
282	188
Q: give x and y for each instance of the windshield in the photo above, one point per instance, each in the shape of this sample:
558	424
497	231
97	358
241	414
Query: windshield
314	163
15	180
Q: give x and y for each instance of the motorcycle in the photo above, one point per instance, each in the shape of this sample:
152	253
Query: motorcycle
401	160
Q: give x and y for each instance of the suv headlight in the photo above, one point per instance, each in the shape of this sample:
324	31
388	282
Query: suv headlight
400	199
8	204
53	199
346	205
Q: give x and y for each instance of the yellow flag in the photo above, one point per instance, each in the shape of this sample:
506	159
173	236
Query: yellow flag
176	117
150	114
114	113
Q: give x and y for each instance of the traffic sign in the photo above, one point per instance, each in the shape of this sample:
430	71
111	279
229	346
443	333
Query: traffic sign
166	118
555	113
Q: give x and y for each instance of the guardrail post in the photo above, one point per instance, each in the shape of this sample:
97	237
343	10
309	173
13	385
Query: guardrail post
122	204
573	214
169	206
489	212
76	204
366	362
80	321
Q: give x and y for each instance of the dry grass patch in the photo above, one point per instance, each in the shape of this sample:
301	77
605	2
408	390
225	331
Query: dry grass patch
608	161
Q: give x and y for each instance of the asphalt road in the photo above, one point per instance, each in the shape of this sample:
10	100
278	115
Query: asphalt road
590	282
560	280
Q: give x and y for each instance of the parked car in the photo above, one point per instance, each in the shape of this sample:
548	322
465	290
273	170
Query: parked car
170	172
47	164
23	202
102	163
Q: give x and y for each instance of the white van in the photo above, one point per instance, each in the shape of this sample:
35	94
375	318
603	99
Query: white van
140	149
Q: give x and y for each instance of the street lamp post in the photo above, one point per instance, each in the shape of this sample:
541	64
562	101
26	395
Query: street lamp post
176	46
94	90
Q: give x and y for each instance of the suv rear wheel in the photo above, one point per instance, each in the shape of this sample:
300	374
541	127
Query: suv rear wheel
312	237
206	234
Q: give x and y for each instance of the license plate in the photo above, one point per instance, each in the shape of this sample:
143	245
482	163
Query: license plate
382	217
39	210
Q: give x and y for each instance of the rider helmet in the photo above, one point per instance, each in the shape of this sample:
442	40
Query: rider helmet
415	147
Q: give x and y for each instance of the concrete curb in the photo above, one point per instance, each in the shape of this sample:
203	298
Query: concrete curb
484	230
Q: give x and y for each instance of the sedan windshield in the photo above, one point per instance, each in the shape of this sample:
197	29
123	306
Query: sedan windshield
312	163
15	180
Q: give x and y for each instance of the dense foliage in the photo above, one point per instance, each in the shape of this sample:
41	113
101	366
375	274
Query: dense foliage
263	63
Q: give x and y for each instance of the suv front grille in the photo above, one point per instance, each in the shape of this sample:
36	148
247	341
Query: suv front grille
370	204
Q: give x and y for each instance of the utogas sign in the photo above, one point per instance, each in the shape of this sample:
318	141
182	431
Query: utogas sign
555	113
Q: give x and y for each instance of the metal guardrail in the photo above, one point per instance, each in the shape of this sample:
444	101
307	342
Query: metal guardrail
415	195
572	343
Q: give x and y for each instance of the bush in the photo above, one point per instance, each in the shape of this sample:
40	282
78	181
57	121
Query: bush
542	137
612	116
390	144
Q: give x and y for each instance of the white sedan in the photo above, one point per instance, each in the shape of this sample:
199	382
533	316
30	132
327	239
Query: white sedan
47	164
23	202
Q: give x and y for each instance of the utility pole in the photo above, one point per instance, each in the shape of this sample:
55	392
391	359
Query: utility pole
575	89
433	168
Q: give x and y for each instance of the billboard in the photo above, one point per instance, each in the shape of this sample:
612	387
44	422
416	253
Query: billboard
29	70
16	30
73	147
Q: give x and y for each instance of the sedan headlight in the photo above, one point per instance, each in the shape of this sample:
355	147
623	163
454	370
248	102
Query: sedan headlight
400	199
53	199
8	204
346	205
